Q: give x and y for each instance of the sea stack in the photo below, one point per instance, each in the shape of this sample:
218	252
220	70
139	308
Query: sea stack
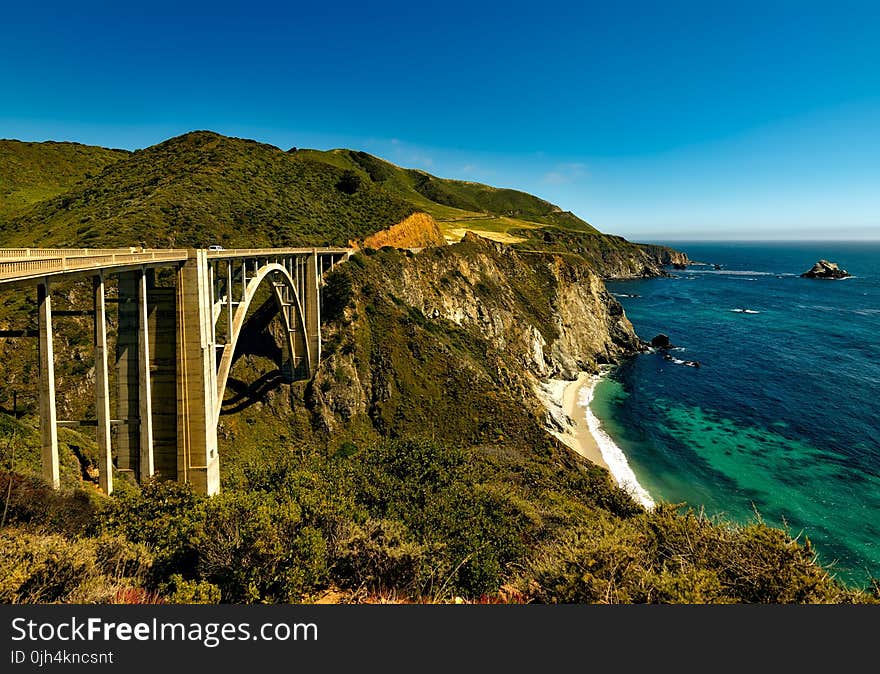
661	341
826	270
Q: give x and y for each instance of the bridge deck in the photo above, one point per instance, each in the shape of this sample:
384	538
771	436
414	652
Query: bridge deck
23	265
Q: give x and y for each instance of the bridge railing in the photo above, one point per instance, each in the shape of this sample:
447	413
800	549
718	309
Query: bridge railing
19	268
274	252
6	253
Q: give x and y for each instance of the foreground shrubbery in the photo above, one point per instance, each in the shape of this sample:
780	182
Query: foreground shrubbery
44	568
402	518
666	556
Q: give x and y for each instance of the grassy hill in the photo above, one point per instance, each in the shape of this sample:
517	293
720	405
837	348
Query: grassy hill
33	172
203	188
458	205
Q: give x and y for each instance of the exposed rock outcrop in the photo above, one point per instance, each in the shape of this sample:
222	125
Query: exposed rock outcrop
419	230
824	269
661	341
665	255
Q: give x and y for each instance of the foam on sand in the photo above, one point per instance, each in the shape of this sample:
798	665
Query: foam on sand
611	453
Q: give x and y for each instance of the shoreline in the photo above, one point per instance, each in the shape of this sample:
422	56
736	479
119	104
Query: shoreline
560	397
575	425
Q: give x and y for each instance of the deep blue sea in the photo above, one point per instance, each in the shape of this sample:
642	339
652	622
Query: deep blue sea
782	419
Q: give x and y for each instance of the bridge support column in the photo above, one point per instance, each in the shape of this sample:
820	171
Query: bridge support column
162	331
102	389
145	389
48	415
197	459
134	442
312	311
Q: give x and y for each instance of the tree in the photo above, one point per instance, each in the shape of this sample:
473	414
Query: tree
349	183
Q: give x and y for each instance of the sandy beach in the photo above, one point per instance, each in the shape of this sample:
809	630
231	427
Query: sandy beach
562	399
573	424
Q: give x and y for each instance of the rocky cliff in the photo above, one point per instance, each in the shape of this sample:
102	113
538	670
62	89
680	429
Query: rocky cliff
609	256
453	339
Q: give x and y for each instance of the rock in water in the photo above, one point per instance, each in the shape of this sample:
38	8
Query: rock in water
679	265
661	341
826	270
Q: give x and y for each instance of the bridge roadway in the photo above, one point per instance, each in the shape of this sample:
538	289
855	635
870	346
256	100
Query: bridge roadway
175	344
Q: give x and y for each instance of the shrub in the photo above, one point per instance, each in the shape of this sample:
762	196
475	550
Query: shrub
349	182
665	556
48	568
163	515
29	500
379	556
254	547
178	590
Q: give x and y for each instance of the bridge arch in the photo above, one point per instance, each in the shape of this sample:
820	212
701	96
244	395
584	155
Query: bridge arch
290	309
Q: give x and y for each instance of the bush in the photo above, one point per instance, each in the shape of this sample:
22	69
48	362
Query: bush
163	515
433	491
349	182
255	548
665	556
178	590
49	568
29	500
379	556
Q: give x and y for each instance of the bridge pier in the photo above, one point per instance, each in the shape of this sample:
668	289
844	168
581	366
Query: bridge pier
134	405
102	388
48	412
162	334
197	459
312	309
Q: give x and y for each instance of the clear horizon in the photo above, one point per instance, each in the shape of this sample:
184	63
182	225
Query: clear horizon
753	123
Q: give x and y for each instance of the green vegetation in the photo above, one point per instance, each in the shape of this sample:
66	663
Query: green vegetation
415	465
203	188
33	172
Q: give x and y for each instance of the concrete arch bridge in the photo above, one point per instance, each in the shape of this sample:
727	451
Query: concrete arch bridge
175	344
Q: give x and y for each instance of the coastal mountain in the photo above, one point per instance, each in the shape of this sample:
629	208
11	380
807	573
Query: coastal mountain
203	188
417	463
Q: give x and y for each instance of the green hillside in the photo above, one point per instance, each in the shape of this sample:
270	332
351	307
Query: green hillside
477	207
203	188
32	172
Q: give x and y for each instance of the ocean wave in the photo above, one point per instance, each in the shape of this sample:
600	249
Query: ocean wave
865	311
611	453
733	272
745	311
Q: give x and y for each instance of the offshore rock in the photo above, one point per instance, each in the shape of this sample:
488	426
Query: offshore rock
824	269
661	341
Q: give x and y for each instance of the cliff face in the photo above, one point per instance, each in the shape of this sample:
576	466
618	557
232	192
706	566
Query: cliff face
664	255
609	256
466	327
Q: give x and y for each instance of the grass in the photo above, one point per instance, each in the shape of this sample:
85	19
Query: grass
34	172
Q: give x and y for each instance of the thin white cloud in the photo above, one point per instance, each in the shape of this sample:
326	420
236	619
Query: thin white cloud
565	173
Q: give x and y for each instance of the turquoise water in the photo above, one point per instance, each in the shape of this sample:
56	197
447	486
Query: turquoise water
783	416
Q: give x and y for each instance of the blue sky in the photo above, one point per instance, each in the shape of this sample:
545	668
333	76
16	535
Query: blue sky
651	120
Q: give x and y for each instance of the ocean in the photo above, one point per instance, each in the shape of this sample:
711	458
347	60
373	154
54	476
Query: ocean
782	419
